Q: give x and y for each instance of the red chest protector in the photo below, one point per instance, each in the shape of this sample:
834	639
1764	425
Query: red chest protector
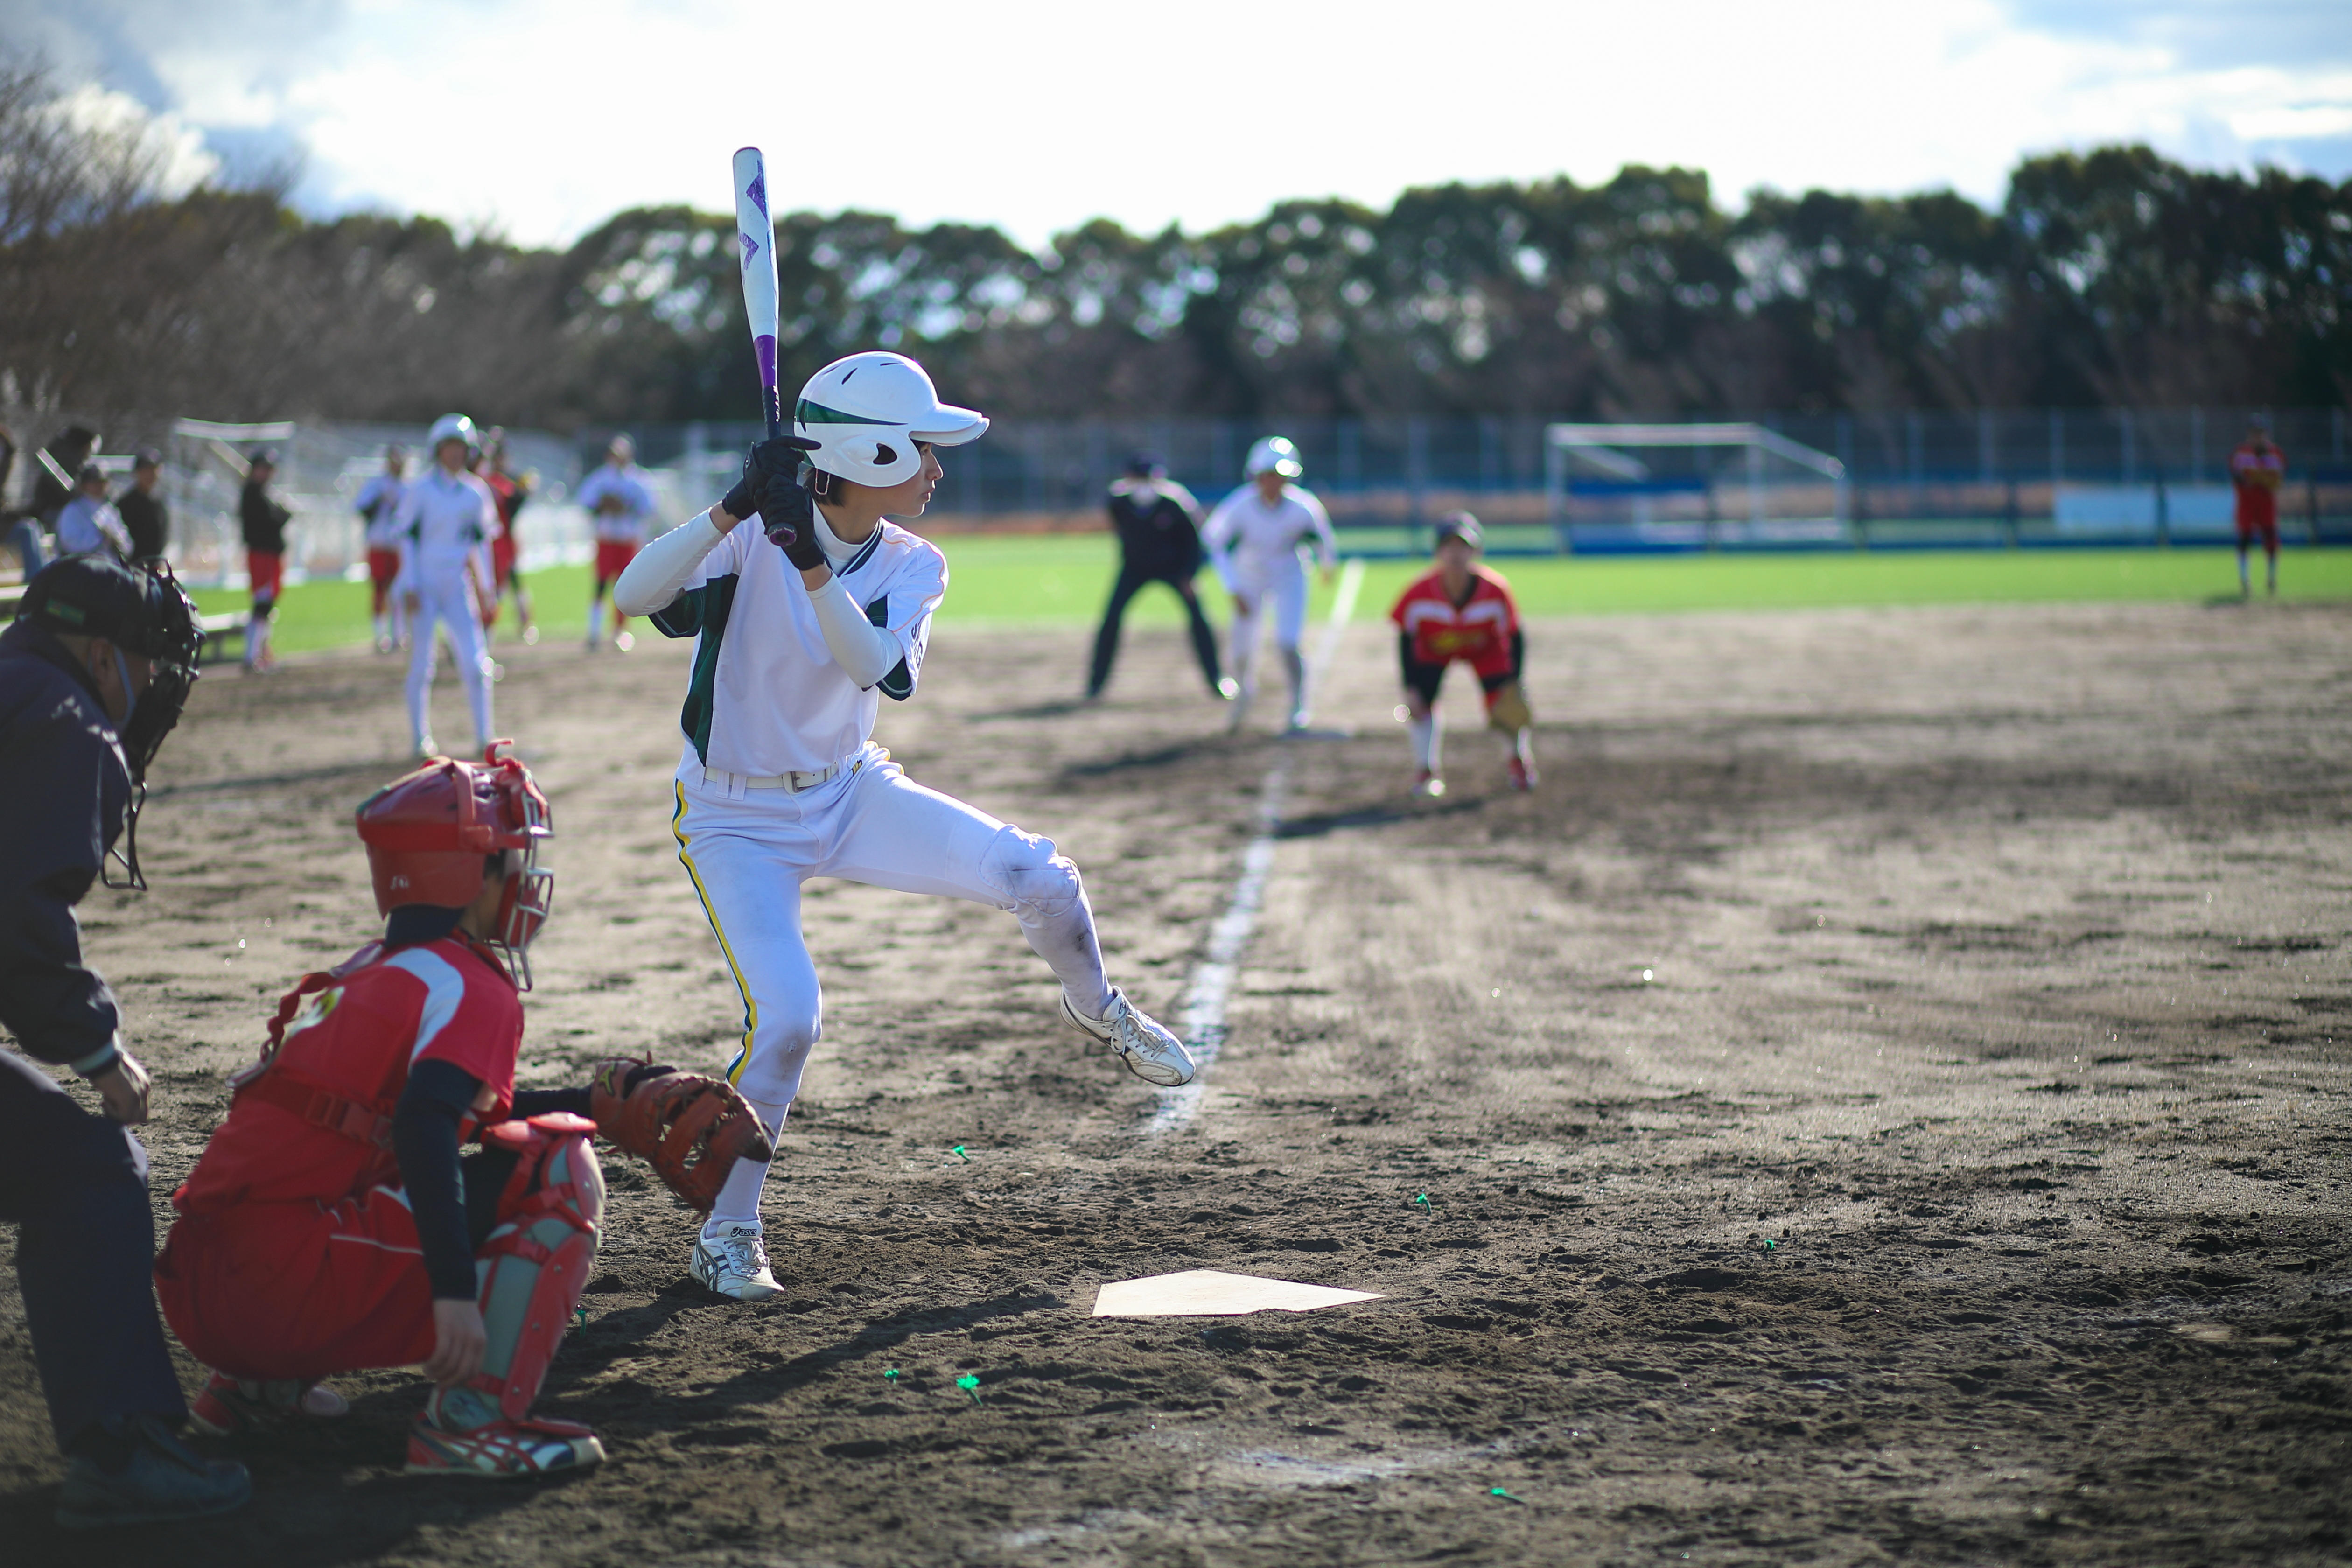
339	1090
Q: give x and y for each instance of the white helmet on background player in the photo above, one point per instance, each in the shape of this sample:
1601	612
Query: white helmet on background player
1273	455
866	412
452	427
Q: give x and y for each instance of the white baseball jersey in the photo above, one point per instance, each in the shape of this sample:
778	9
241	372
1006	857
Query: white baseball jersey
767	696
87	527
443	520
1259	536
379	502
636	493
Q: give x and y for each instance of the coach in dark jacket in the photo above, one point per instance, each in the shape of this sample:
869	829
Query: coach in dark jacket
92	676
143	512
1157	521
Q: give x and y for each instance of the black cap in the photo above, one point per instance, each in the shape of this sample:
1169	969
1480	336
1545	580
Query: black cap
1458	525
1143	465
138	607
148	457
89	471
262	455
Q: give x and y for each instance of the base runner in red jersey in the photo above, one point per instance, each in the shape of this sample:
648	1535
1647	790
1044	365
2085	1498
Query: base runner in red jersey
510	491
2257	471
1462	611
332	1222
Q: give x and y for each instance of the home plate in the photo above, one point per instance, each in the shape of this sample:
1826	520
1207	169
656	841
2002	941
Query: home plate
1211	1293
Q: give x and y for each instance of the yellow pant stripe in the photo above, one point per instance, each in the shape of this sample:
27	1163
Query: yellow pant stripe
751	1003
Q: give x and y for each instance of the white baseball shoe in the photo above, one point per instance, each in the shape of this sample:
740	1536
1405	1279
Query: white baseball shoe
735	1264
1243	691
1150	1051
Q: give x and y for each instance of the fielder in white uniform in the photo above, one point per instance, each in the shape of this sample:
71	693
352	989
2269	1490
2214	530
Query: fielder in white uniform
619	499
379	502
801	630
1254	537
446	518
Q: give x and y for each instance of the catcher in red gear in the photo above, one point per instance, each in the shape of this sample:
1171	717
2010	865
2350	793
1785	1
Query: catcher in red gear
332	1224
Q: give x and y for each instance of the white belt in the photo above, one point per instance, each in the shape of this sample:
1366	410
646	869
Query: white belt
798	783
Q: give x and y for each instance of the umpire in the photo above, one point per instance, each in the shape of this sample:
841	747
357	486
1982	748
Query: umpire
1157	521
92	676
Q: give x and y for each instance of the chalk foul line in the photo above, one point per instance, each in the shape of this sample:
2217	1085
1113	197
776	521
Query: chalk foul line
1203	1023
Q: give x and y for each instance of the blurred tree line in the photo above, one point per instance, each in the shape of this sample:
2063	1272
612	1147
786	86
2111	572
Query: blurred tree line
2111	278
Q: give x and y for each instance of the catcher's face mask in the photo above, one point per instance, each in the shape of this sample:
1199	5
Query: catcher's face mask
530	900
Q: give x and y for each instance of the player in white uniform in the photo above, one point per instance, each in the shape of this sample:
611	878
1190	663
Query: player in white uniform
87	523
619	500
379	502
802	630
1254	536
447	517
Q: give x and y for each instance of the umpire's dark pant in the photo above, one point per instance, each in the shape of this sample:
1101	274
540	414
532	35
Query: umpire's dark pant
1132	580
85	1256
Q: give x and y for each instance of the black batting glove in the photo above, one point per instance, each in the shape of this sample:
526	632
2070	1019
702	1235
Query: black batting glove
788	513
779	454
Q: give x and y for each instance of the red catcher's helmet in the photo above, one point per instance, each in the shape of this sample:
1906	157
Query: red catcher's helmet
429	834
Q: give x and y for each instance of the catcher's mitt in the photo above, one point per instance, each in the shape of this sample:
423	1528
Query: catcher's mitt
689	1128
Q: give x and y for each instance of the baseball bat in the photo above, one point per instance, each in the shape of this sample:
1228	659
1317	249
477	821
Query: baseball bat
755	236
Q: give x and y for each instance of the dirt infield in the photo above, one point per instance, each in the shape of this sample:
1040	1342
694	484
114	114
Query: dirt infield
1882	1098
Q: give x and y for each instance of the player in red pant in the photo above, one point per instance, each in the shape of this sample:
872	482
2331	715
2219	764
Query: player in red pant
331	1223
2257	468
1463	611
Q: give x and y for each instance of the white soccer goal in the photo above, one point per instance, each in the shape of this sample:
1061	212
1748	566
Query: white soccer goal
1692	487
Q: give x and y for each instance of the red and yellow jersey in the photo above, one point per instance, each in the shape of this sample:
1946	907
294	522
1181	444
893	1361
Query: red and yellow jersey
1478	633
314	1123
2258	469
510	497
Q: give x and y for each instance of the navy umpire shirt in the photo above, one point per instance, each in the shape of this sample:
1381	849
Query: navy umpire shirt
65	791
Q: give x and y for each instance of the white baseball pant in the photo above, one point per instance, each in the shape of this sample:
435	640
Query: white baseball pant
449	598
1279	586
749	850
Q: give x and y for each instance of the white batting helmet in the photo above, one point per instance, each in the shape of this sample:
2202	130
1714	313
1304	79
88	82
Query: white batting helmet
866	412
452	427
1273	455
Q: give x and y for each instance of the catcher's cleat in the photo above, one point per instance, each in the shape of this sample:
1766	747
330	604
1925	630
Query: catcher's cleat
503	1450
228	1406
1523	777
735	1264
1150	1052
1427	785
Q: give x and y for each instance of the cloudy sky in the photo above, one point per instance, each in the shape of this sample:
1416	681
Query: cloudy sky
542	117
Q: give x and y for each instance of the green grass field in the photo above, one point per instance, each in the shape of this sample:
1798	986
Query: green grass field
1062	580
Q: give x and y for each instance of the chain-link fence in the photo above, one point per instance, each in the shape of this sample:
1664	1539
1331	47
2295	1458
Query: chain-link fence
2017	477
2072	475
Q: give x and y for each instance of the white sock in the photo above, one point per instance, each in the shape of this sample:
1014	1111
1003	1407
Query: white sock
1426	741
1524	745
738	1200
2244	580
